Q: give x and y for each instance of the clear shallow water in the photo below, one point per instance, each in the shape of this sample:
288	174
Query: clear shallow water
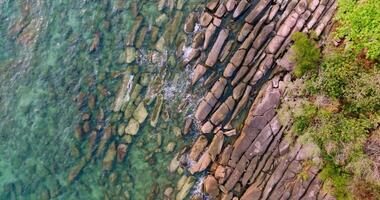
62	60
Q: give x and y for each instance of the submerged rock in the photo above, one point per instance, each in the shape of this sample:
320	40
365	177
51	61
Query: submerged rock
174	164
132	127
198	147
130	54
187	126
121	152
103	141
91	144
168	192
156	110
95	42
170	147
122	97
74	172
140	113
110	157
176	131
185	189
190	23
210	186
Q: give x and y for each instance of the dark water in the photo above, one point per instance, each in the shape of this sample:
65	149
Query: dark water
62	63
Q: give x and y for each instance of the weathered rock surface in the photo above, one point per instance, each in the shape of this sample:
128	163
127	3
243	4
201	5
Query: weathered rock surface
214	53
248	156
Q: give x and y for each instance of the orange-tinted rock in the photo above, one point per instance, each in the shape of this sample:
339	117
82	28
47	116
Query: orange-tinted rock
220	114
231	4
257	10
121	152
203	110
205	19
199	71
218	88
212	4
220	11
198	147
208	35
240	8
207	127
216	145
210	186
218	45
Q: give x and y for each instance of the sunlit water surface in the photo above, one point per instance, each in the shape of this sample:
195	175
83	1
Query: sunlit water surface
64	60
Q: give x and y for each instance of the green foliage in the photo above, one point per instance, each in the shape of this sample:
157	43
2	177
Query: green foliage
345	78
337	71
303	121
306	54
360	25
339	179
335	129
362	95
354	83
349	83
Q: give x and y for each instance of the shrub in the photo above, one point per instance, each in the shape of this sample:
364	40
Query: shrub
303	121
339	179
306	54
337	71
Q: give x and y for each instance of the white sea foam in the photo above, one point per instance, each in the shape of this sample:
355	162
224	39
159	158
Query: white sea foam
186	52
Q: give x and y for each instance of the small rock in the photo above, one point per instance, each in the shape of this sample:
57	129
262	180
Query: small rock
110	157
210	186
230	133
85	117
218	45
130	54
199	71
205	19
212	4
184	191
95	42
176	131
198	39
121	129
140	113
168	191
132	127
207	127
198	147
187	126
86	127
121	152
170	147
78	133
162	19
240	8
91	102
230	5
180	4
156	110
74	172
174	164
190	23
127	139
208	35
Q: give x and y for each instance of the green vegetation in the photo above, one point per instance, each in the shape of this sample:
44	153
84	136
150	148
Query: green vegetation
307	54
359	25
340	108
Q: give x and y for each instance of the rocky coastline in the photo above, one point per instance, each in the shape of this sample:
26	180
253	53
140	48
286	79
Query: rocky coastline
242	55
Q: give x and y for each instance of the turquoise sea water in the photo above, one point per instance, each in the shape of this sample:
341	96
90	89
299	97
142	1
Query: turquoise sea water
61	65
